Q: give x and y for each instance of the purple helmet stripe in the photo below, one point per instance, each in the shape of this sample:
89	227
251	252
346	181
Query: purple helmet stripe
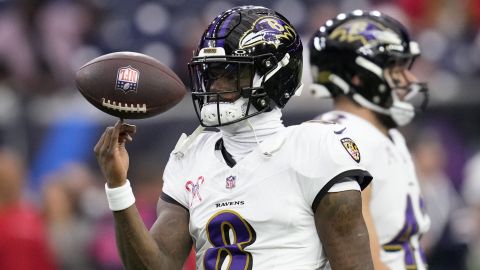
217	29
223	29
210	31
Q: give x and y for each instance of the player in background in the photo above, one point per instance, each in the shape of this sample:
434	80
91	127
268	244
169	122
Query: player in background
256	194
362	60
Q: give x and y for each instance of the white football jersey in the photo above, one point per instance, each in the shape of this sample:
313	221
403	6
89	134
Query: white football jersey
258	214
396	204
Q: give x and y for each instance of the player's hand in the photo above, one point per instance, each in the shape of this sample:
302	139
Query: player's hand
112	155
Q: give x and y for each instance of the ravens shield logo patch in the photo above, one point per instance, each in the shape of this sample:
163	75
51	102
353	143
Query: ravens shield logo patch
351	148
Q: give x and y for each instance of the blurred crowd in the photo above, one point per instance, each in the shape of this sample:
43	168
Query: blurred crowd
45	41
53	210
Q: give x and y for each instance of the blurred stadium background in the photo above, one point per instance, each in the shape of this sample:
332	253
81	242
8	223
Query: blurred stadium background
47	130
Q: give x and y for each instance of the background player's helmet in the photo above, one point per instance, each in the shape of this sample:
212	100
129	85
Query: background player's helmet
365	44
247	43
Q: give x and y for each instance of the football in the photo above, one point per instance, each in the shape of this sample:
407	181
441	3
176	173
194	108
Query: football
129	85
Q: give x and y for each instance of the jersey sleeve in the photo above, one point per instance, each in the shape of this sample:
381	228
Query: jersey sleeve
325	155
173	190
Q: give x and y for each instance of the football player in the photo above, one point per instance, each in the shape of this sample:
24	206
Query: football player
256	194
362	60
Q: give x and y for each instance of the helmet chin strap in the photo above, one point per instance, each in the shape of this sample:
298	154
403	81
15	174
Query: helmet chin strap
402	113
229	111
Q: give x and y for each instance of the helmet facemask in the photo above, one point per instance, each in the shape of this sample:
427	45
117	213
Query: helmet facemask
409	97
229	89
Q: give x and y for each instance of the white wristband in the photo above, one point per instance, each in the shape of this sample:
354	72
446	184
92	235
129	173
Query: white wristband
120	198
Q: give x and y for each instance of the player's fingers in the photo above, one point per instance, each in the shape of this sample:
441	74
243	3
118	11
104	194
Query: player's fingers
99	144
131	129
115	134
126	132
124	137
108	140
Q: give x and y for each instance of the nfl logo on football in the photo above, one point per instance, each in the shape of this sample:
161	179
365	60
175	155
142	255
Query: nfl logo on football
127	79
230	182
